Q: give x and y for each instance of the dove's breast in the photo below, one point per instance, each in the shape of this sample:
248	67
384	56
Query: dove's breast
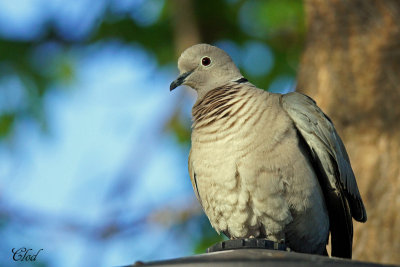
244	155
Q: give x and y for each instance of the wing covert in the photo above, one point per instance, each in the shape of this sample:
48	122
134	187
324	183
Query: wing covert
326	147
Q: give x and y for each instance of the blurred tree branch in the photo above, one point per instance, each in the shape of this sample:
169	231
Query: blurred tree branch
186	31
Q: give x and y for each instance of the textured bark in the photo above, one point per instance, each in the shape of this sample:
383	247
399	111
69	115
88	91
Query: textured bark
351	67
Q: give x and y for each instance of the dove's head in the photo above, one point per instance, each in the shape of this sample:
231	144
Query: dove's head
205	67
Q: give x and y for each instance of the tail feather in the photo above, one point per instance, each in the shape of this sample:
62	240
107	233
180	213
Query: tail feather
341	227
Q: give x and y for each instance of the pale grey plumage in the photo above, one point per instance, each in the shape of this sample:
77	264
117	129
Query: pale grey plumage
325	145
266	165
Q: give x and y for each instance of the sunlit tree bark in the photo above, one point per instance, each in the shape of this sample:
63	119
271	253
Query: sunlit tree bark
351	67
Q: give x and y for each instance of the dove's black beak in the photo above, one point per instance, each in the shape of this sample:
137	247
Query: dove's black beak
180	80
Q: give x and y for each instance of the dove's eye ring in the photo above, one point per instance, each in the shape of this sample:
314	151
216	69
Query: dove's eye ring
205	61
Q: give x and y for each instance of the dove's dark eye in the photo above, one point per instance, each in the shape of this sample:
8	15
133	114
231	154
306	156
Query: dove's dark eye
205	61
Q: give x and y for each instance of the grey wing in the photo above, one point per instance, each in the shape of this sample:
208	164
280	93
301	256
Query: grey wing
333	169
325	144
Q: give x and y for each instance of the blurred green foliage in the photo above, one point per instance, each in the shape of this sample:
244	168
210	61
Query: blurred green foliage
178	125
6	121
277	23
208	237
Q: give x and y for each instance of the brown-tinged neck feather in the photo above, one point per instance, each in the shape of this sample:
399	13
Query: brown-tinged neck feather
215	105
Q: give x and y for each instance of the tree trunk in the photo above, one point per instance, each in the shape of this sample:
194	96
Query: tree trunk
351	67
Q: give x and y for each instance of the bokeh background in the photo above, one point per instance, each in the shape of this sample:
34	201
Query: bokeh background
93	146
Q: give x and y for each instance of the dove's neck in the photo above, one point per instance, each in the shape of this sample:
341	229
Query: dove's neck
223	102
235	79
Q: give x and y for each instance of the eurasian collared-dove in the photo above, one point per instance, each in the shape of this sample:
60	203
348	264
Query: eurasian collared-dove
267	165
